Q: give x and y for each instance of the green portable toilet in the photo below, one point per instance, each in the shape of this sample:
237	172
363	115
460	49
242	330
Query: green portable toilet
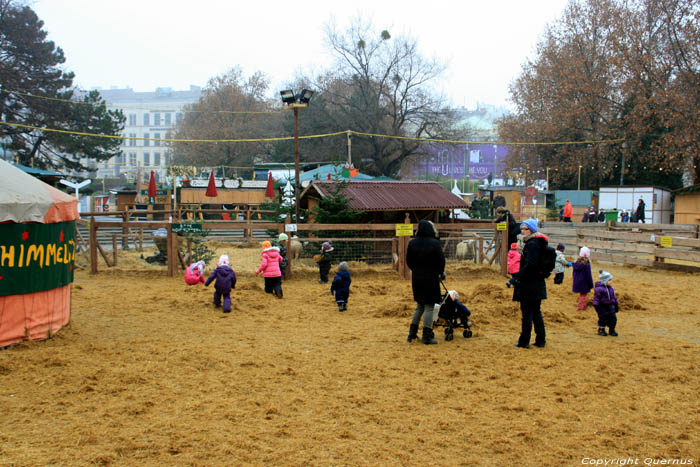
610	216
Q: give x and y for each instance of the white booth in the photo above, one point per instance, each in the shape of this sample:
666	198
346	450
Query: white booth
657	201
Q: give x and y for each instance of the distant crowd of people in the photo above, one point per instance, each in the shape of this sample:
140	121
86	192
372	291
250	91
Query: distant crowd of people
590	215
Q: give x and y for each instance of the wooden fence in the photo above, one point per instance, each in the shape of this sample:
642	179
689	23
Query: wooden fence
661	246
451	232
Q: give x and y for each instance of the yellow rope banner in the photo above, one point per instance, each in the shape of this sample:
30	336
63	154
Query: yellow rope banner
325	135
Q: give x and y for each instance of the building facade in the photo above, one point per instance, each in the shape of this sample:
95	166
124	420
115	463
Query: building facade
151	116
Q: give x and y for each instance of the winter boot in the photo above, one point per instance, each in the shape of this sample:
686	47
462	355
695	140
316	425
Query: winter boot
412	333
341	307
345	306
601	332
612	332
428	336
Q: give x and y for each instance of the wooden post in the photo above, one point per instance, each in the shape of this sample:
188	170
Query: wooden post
171	252
141	239
114	249
93	246
125	231
404	270
504	253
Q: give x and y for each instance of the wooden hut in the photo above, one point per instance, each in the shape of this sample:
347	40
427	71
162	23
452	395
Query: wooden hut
686	205
389	201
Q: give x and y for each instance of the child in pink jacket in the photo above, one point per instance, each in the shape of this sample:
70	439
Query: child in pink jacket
270	268
194	273
513	259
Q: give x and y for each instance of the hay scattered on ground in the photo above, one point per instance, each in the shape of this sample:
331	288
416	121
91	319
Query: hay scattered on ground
150	373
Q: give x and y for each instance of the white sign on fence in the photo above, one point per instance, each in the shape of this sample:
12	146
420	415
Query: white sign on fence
290	227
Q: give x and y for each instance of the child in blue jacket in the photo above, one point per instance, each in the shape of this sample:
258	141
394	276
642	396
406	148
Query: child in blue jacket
341	286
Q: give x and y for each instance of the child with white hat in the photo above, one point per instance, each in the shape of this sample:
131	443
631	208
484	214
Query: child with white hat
606	304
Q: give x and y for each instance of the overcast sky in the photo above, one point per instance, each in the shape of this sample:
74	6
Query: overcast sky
146	44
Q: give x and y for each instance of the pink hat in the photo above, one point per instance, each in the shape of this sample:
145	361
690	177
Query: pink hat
513	246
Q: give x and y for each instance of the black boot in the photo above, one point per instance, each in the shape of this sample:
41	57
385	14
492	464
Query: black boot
428	336
612	332
412	332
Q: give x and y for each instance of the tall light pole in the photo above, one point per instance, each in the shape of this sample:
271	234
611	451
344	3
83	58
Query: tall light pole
296	102
579	177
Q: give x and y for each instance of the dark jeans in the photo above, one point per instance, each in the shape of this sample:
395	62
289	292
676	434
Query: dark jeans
559	278
273	283
532	314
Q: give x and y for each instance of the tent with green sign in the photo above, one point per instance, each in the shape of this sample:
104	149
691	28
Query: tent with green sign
37	250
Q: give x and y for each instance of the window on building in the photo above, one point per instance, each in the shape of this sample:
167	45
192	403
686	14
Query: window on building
146	159
145	141
167	118
156	118
157	137
146	119
132	142
178	117
167	159
132	119
156	158
132	158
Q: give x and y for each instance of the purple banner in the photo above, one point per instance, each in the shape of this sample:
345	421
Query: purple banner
454	161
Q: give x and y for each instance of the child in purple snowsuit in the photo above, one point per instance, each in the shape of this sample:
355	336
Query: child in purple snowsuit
606	304
225	281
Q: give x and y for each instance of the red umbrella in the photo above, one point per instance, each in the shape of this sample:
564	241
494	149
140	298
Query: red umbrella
152	186
270	188
211	189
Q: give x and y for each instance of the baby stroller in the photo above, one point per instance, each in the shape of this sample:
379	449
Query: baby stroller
453	314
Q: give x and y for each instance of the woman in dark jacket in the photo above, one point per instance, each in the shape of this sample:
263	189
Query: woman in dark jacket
530	288
426	261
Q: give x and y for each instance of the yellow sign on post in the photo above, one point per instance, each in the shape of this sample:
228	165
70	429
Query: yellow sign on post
404	230
666	241
501	226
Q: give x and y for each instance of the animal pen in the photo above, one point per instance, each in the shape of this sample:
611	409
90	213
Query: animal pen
371	243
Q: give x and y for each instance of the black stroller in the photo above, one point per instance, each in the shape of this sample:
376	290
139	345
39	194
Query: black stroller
452	315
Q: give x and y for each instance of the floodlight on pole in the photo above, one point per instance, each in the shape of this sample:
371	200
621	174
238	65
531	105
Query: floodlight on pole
296	102
77	187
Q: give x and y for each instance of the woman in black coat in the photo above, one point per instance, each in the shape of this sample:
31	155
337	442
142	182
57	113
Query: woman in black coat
530	288
426	260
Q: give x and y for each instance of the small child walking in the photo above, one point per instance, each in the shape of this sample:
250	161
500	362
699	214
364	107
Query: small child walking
606	304
194	273
513	259
560	262
324	261
583	278
270	268
225	281
282	241
341	286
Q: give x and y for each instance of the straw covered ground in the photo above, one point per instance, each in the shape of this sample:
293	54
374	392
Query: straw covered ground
150	373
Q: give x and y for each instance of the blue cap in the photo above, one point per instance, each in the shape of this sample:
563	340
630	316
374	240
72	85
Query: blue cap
530	224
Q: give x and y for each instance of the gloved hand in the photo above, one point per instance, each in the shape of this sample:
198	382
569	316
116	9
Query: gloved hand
508	284
569	264
442	276
332	292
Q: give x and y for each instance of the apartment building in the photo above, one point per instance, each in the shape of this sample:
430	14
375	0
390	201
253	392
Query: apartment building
151	115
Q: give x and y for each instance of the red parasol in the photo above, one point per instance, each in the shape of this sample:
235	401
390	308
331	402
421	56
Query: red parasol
211	189
270	188
152	186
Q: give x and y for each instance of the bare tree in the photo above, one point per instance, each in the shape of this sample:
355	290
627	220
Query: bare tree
231	107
